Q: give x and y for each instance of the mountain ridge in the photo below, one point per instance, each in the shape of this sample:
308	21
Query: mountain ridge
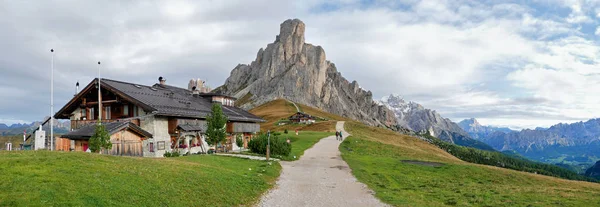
17	129
413	116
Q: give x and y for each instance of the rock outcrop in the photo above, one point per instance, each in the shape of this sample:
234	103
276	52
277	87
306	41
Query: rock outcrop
291	69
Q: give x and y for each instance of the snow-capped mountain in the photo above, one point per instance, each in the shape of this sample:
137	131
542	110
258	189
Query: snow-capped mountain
414	116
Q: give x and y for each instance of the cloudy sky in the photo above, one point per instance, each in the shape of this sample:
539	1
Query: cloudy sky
504	62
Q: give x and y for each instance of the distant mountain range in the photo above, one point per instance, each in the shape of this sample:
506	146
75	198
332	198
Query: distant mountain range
415	117
478	131
574	143
17	129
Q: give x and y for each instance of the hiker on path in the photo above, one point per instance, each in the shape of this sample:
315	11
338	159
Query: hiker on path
341	137
337	135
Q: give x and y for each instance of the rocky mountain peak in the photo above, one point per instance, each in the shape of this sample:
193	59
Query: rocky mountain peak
297	71
393	100
291	35
397	103
472	122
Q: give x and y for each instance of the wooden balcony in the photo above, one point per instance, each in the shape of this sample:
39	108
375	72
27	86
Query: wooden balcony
76	124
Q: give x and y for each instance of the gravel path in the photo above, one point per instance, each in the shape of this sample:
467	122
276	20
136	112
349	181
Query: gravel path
319	178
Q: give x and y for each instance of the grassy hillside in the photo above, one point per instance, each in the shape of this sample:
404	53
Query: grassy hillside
281	109
387	162
43	178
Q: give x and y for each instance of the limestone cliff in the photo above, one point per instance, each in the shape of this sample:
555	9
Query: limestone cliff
291	69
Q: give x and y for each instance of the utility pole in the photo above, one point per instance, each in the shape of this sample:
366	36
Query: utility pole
99	97
52	101
268	144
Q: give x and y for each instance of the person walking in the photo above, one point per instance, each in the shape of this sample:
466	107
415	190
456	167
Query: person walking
341	137
337	135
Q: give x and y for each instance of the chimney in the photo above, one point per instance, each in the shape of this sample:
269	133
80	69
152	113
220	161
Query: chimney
161	80
76	88
195	91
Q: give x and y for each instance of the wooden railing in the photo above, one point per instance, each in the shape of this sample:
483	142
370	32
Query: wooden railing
76	124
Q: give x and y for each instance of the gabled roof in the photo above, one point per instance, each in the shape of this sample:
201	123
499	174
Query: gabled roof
301	114
164	100
87	132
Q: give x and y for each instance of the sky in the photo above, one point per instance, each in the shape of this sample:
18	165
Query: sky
520	64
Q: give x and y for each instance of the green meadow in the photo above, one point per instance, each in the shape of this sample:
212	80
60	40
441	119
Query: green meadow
43	178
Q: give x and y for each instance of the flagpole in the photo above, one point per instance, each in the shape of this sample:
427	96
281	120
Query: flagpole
52	102
99	97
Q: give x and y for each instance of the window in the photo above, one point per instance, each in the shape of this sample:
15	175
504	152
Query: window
126	110
107	112
83	114
135	111
92	114
151	147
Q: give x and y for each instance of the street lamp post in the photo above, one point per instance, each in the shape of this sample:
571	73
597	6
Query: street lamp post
99	97
52	101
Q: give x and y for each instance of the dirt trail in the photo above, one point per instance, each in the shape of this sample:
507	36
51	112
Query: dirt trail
319	178
297	108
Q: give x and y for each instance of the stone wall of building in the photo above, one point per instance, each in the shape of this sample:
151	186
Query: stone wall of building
158	127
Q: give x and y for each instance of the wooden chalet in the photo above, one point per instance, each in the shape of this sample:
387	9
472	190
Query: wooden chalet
151	119
302	118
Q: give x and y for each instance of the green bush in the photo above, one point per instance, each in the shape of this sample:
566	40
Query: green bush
279	146
171	154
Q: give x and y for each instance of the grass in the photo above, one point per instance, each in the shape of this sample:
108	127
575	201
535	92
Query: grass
375	157
300	143
36	178
280	109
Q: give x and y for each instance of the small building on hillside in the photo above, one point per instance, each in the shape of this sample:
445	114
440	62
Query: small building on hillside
302	118
152	119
